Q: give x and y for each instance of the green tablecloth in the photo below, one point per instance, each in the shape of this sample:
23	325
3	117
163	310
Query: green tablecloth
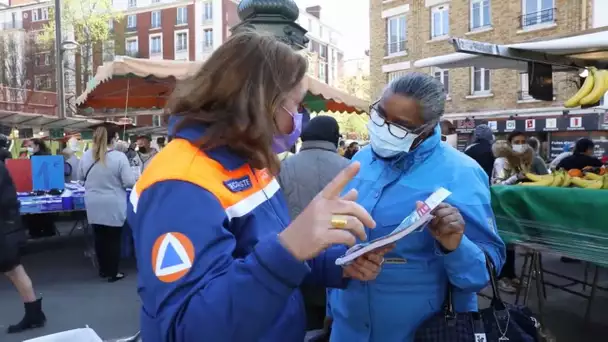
566	220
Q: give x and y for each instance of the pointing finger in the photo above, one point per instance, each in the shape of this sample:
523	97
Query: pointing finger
336	186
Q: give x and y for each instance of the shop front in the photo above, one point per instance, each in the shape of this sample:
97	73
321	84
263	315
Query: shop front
552	131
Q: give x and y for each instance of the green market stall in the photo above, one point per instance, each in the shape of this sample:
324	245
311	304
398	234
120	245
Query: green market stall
571	222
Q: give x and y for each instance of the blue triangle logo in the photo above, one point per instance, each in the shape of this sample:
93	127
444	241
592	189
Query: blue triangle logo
171	258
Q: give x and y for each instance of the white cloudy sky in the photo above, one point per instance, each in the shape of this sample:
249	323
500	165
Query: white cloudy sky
350	18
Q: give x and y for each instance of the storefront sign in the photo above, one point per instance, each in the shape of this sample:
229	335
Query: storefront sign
550	125
493	125
564	123
604	121
465	126
530	125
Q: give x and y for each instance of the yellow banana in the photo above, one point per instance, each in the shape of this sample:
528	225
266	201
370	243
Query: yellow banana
599	88
584	90
546	181
593	176
567	180
587	184
538	178
558	180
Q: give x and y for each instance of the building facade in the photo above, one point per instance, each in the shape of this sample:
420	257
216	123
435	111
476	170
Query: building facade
404	31
188	30
325	57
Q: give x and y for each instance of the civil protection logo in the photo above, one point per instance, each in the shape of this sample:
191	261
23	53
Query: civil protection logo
172	256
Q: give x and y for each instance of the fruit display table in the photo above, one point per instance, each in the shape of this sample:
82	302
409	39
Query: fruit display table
569	221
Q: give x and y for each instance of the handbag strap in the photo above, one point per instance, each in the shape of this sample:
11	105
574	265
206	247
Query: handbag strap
496	303
90	167
88	170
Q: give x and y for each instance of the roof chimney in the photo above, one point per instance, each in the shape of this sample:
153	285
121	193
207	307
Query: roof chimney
315	11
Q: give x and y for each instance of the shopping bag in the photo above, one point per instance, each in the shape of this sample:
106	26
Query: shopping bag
498	323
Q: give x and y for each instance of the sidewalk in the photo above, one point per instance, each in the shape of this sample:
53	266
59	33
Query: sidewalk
75	297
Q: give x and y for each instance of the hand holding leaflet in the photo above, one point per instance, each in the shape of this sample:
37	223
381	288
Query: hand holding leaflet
417	219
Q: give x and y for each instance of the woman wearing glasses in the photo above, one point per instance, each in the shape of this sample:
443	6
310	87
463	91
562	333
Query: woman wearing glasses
407	162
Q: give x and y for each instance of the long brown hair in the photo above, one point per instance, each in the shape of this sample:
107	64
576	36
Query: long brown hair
100	144
236	93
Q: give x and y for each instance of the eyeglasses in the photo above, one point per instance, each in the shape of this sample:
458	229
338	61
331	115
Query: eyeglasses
400	131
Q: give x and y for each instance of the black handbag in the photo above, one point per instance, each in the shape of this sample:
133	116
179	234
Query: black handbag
498	323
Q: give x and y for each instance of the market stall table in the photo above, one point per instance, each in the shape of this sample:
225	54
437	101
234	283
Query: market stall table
70	201
567	221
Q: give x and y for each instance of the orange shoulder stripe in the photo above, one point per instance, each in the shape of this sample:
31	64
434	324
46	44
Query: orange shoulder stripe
181	160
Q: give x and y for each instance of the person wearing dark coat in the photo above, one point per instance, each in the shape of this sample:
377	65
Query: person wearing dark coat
10	263
481	148
4	152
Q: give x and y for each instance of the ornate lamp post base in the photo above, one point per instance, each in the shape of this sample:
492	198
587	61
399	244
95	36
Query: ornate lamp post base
276	17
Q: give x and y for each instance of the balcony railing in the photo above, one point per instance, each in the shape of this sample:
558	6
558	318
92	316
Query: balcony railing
396	48
545	16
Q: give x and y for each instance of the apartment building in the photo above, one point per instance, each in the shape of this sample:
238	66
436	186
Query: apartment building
325	57
403	31
174	29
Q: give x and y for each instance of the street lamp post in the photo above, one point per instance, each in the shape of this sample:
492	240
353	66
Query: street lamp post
59	62
277	17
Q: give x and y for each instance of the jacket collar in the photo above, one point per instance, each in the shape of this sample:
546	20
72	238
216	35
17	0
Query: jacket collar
318	145
192	133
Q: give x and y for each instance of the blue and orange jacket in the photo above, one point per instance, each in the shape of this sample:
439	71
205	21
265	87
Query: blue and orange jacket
210	265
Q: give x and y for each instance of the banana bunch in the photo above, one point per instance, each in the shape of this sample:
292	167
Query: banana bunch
591	181
592	90
556	179
563	179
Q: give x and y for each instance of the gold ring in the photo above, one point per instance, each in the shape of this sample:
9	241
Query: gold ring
339	221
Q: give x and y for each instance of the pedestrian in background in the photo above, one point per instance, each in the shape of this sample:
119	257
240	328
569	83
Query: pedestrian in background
10	263
538	164
4	146
106	174
302	177
352	149
481	148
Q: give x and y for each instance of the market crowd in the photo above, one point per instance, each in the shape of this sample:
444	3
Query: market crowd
238	244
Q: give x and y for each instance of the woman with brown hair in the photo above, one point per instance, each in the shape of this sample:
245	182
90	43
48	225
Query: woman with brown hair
218	257
106	174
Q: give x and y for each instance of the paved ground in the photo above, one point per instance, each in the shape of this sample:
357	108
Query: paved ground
74	297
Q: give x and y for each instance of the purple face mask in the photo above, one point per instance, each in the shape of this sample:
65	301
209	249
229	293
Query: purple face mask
283	142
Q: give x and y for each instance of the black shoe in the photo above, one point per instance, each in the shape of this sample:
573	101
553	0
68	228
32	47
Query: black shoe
117	277
103	275
34	318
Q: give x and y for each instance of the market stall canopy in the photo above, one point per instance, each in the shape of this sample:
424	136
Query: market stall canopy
133	83
45	121
589	48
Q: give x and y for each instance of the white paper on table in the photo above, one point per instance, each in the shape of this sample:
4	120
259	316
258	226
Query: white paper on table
417	219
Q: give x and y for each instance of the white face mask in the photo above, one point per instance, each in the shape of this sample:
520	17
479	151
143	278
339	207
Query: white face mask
30	150
519	148
385	144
